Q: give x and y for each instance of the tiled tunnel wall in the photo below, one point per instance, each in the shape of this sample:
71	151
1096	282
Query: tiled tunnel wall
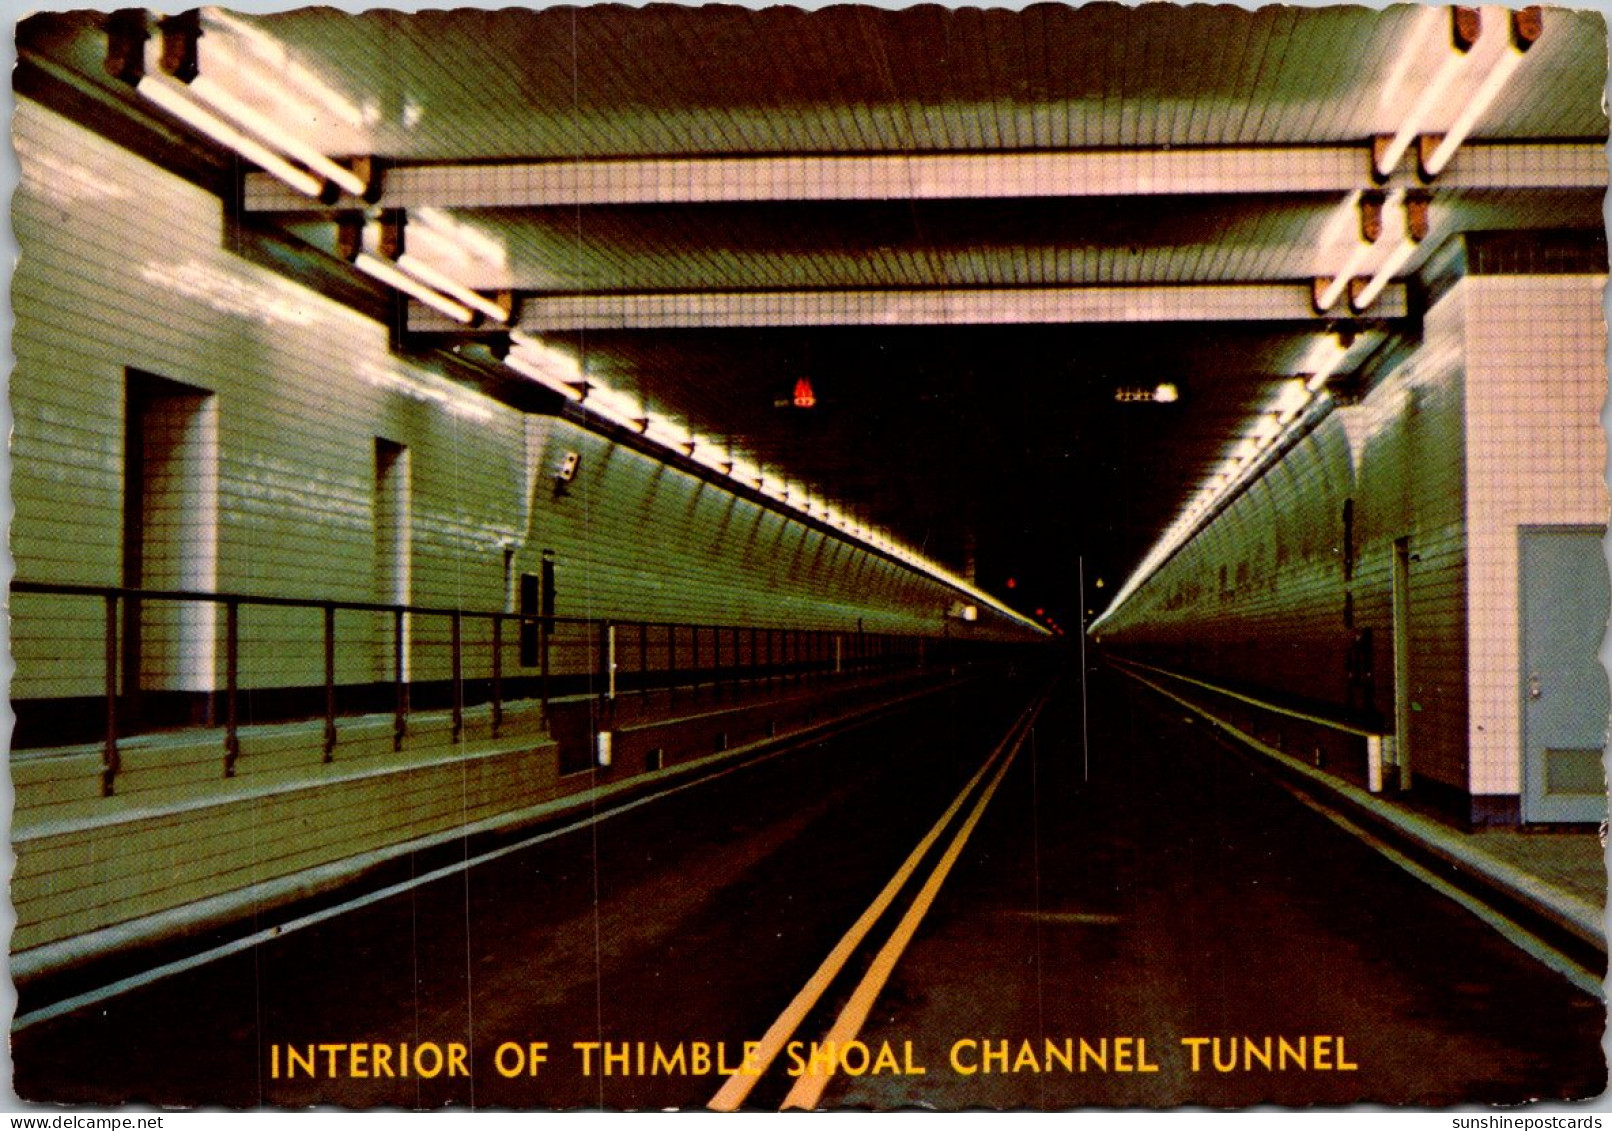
1536	457
1281	593
1492	425
283	412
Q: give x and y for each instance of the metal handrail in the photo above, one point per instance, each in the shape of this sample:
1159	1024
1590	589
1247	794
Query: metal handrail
829	651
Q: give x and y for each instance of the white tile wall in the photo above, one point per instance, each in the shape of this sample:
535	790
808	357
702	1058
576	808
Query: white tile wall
1536	455
1278	622
123	267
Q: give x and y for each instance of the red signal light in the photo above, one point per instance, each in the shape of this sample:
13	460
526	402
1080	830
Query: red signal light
805	396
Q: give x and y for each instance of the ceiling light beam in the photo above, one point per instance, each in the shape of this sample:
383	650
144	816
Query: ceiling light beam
1223	302
1434	151
1178	171
1466	26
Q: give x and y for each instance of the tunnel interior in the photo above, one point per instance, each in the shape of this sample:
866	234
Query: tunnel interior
461	432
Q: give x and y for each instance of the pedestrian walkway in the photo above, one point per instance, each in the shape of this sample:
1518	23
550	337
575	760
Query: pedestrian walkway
1556	879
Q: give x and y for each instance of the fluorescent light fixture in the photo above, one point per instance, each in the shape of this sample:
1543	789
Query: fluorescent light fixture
275	135
1413	121
665	433
543	376
1344	219
1397	259
1473	110
204	121
706	452
1323	360
378	268
1362	247
431	277
1340	281
556	362
1166	394
615	406
1292	398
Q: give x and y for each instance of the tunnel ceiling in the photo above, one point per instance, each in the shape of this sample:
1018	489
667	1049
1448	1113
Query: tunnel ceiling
968	230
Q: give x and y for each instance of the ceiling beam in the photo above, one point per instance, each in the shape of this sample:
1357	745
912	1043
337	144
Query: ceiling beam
945	176
1225	302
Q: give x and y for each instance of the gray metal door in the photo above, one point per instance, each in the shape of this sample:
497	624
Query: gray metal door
1565	598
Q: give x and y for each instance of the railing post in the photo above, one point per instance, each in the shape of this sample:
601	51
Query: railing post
457	622
400	716
609	655
643	659
671	660
498	672
716	659
543	667
110	759
330	682
232	659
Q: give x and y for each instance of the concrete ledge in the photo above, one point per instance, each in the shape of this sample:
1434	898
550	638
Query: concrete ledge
1574	925
237	896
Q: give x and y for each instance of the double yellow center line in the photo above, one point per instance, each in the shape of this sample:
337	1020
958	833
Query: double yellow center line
808	1089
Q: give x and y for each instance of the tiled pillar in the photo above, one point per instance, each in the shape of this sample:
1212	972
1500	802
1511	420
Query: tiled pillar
1536	456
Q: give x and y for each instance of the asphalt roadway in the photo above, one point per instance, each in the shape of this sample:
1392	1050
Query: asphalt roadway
1018	893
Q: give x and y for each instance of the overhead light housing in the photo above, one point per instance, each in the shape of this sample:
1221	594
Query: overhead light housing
388	273
1526	27
172	99
1466	26
460	293
1415	208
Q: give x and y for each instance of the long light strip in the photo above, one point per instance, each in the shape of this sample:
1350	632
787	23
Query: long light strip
1390	267
1362	251
275	135
1285	413
1475	107
1322	362
1412	124
536	360
204	121
546	357
535	372
388	273
431	277
1346	273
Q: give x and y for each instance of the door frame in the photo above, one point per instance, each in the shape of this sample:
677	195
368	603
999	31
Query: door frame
1531	789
